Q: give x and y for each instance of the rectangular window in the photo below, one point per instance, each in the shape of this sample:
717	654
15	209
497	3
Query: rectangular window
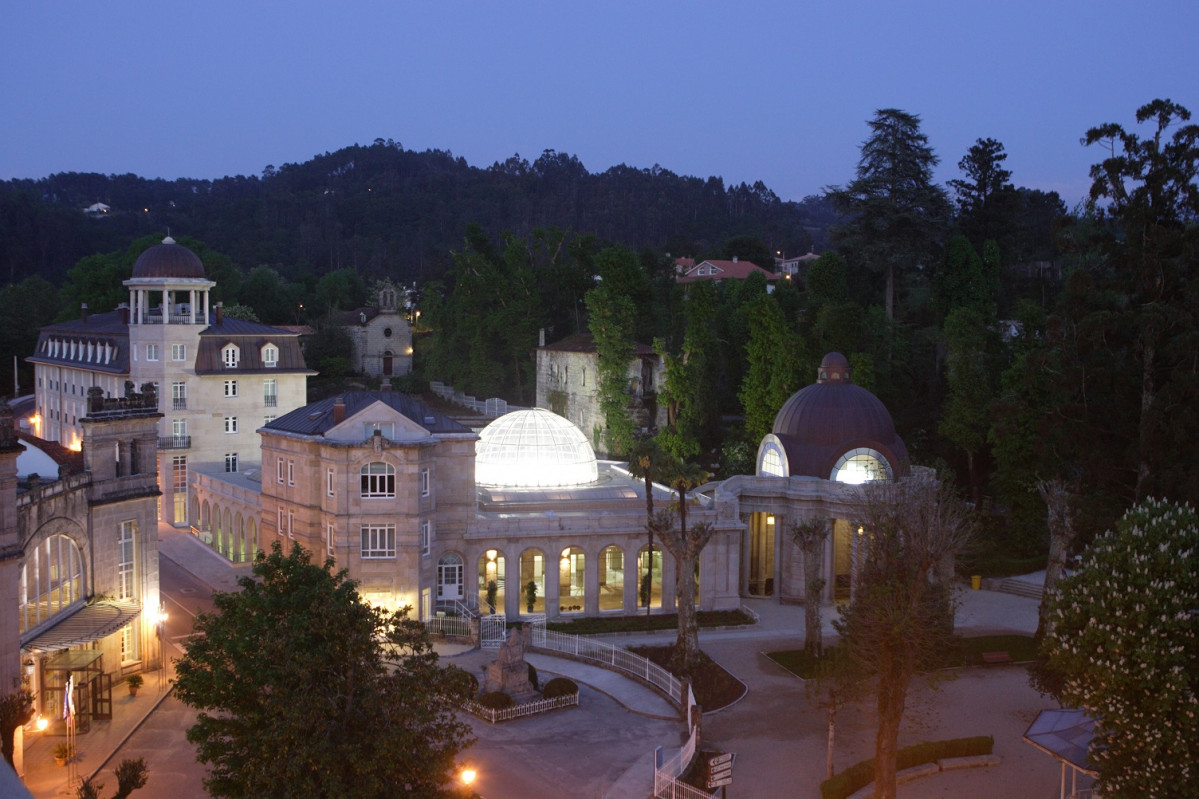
424	482
291	472
179	473
268	419
125	541
282	520
330	539
329	483
129	643
230	388
231	461
229	357
230	424
270	356
425	536
178	352
151	352
279	471
291	525
378	541
179	395
270	392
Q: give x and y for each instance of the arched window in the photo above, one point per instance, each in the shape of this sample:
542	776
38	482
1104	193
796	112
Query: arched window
772	462
571	580
51	580
649	578
611	578
861	465
378	480
230	355
270	356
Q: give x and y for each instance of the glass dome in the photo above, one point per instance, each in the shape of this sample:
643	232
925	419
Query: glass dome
533	448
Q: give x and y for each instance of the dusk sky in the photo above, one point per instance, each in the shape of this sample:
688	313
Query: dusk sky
772	91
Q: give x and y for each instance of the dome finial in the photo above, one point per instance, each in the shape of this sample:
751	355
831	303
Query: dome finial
834	369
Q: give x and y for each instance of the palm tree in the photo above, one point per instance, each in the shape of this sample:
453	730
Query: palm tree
648	462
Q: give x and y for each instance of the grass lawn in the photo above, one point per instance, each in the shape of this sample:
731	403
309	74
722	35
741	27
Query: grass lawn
713	686
966	652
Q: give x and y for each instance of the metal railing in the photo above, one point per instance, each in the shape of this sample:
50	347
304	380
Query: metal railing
492	715
175	442
270	400
179	404
614	658
449	625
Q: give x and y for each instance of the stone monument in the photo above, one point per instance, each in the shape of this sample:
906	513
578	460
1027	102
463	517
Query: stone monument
509	673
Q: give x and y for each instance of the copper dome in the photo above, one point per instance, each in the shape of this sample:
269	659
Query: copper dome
168	260
831	417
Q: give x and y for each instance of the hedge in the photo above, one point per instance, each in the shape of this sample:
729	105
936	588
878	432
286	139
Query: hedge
859	775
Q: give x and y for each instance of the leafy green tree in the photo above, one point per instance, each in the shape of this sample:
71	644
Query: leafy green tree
773	366
25	308
985	198
16	709
966	280
900	616
305	690
131	774
610	319
690	386
971	377
1153	200
748	248
1124	639
896	215
272	298
685	545
339	290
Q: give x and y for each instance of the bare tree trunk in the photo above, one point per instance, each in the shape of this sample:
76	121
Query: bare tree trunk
892	694
832	732
810	536
1061	536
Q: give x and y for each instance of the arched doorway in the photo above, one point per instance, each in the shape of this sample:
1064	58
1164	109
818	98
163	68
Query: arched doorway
760	554
649	578
387	361
449	578
572	571
491	581
611	578
532	570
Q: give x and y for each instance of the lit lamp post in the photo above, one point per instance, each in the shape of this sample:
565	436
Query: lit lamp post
468	775
160	622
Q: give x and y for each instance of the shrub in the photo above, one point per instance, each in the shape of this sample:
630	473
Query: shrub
496	700
859	775
559	686
135	681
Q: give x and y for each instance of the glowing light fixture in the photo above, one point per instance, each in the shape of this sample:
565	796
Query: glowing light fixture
491	553
42	723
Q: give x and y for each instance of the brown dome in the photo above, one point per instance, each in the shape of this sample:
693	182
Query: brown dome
168	260
827	419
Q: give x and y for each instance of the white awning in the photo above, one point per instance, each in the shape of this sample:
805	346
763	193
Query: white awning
89	623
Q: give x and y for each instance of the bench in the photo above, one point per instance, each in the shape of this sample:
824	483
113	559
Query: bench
996	657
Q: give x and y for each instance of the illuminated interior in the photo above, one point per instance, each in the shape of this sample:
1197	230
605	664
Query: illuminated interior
861	465
533	448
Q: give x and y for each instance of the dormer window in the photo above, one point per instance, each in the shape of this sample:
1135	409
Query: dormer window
270	356
230	355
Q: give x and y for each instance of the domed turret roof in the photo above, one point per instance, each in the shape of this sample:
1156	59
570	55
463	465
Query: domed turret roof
533	447
168	260
831	417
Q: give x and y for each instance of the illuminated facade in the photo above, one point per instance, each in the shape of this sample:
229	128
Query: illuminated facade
380	335
217	379
827	439
80	557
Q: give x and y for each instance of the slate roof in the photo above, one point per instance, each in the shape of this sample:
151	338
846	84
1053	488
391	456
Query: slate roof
316	418
250	337
98	328
585	342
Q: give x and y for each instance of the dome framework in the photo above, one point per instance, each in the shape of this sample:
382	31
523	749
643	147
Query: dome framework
533	448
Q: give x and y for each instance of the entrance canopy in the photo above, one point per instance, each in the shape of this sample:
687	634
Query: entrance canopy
89	623
1064	734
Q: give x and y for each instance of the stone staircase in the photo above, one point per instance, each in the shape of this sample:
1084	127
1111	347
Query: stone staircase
1013	585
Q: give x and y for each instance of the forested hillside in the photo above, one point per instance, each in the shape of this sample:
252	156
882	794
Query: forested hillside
383	210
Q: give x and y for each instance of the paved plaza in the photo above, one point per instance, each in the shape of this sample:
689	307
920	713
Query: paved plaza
605	747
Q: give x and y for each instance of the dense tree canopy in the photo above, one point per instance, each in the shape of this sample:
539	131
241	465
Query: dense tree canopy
1124	642
304	690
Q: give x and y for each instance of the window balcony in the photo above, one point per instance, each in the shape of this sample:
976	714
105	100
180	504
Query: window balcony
175	442
270	400
179	404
